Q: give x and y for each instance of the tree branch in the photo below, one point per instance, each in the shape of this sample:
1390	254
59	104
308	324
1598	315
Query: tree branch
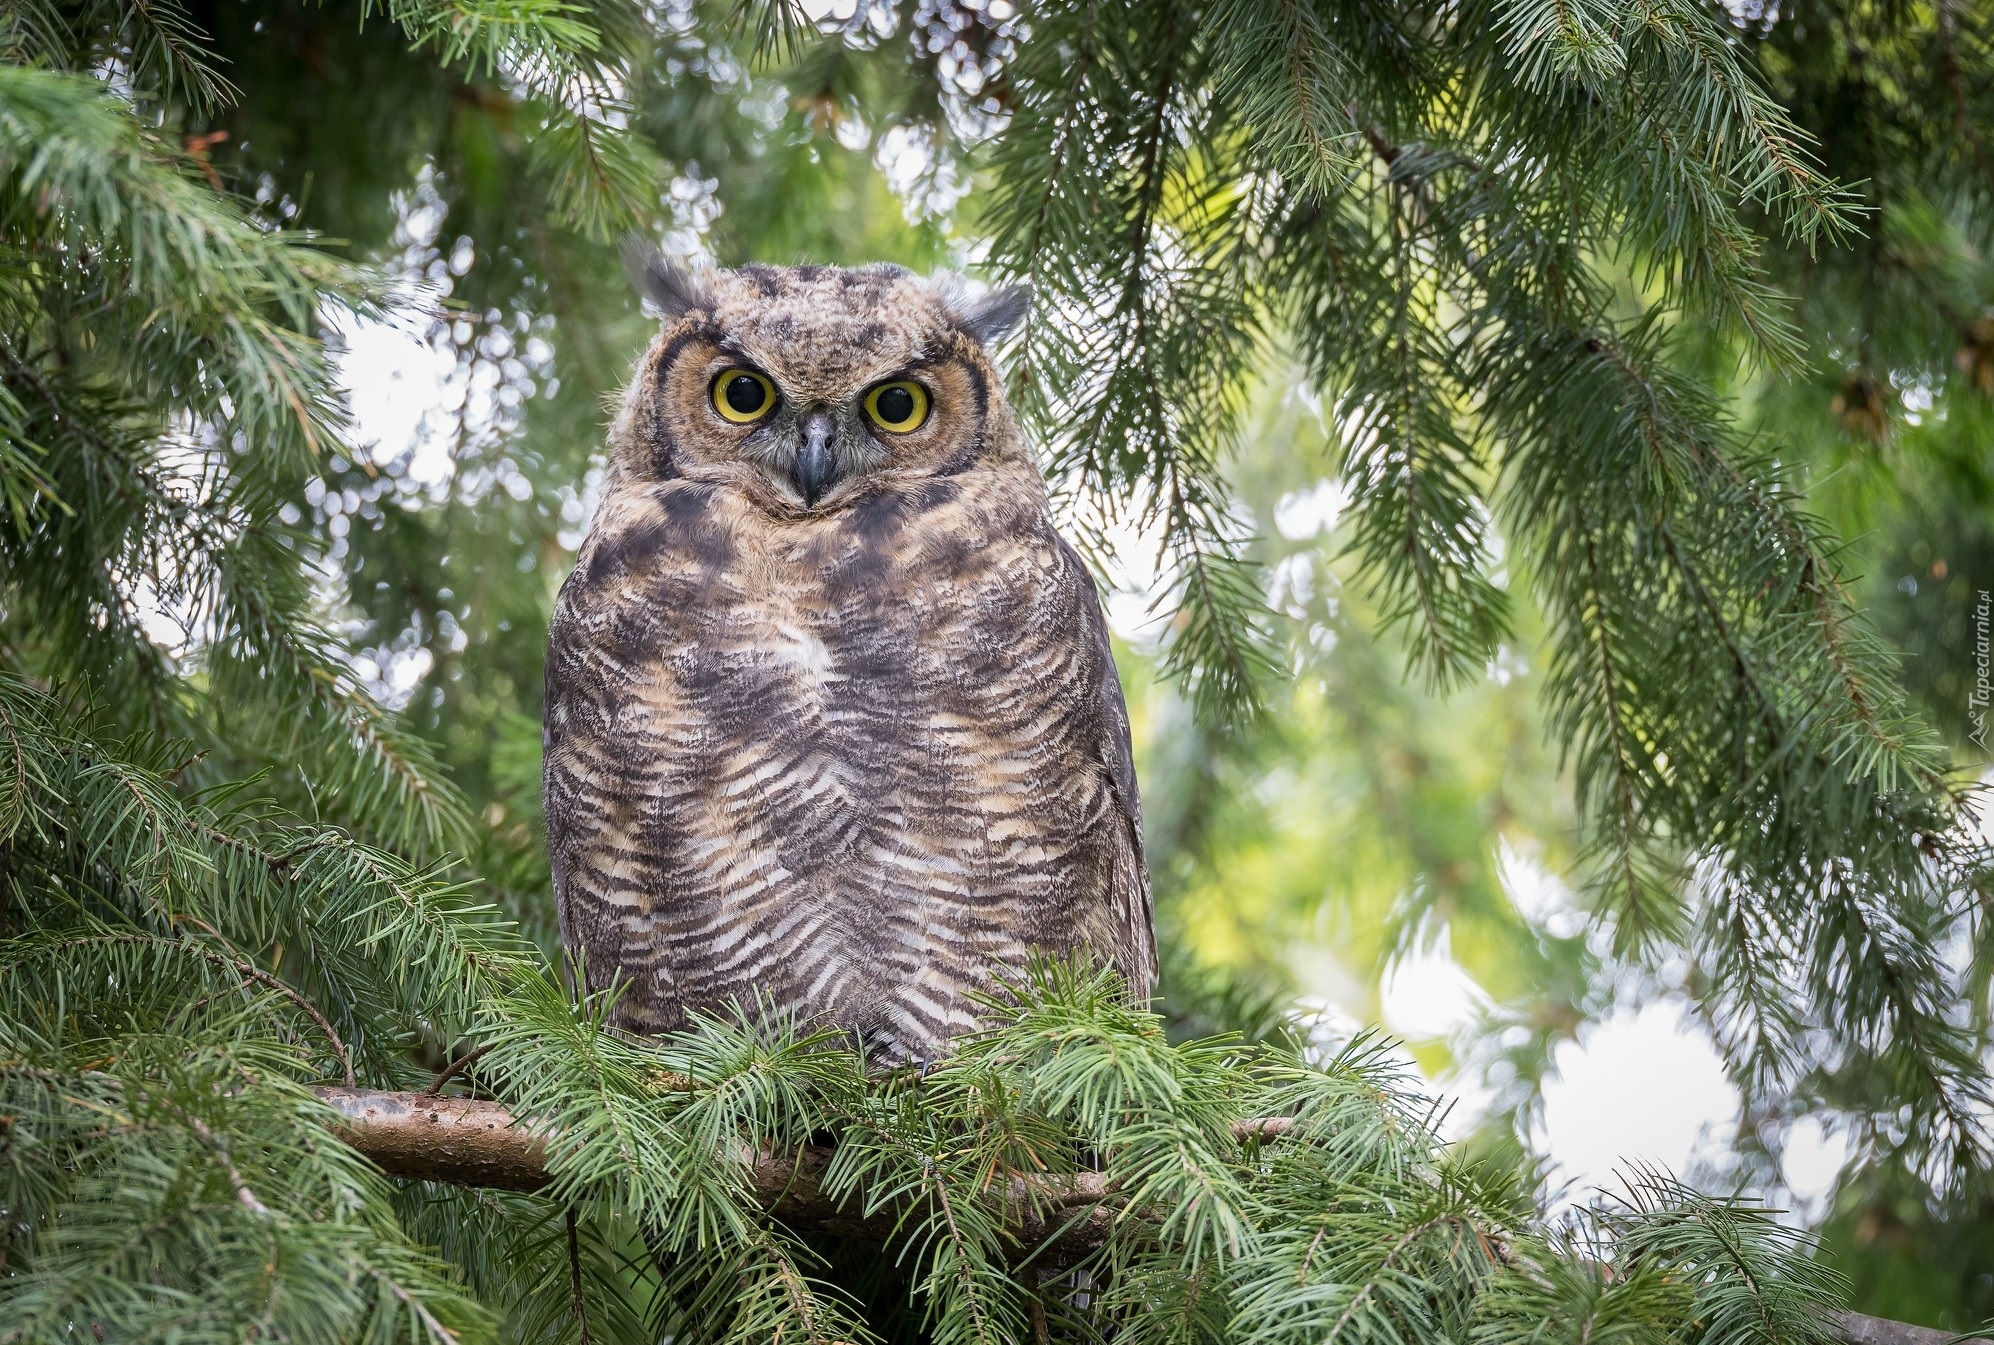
1861	1329
440	1139
466	1142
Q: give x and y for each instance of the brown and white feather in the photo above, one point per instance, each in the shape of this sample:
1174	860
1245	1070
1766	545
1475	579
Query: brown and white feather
862	757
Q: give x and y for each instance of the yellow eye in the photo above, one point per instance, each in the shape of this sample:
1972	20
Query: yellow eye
897	407
742	396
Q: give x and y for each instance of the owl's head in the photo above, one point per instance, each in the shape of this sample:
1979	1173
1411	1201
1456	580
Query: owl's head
803	384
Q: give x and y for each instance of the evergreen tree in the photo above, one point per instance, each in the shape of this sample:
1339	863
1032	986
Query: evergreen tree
1519	248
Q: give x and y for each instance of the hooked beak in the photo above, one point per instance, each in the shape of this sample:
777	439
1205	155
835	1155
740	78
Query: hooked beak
815	466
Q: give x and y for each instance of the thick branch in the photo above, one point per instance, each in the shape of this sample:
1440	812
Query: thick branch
470	1143
1861	1329
440	1139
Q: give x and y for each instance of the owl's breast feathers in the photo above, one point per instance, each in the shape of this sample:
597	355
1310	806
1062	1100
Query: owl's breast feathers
862	764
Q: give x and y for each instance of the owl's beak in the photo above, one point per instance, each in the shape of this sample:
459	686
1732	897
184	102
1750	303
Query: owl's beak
815	467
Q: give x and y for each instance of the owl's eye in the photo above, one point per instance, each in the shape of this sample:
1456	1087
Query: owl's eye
897	407
742	396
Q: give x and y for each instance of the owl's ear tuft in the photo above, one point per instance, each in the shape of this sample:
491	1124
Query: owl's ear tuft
993	316
670	287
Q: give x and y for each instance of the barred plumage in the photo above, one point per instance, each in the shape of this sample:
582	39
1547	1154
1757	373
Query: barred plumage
832	715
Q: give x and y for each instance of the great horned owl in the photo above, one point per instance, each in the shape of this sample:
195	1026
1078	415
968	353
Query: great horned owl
831	712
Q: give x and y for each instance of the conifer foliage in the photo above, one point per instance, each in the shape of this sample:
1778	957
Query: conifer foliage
182	972
1486	230
1481	226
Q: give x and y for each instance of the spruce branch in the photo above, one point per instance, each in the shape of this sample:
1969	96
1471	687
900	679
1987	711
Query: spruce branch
243	968
469	1142
708	1145
458	1140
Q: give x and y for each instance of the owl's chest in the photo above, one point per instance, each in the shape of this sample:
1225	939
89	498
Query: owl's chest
877	624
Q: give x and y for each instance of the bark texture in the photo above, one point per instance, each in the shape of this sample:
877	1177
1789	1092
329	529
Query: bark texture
440	1139
1861	1329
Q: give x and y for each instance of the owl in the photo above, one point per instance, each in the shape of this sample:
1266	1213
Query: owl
832	721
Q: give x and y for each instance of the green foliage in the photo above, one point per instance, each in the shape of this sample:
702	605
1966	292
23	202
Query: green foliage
167	1171
1490	278
164	399
177	974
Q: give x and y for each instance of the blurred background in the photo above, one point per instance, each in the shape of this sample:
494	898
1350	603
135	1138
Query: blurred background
1372	851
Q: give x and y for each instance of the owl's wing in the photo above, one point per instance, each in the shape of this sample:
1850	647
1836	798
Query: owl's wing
558	784
1135	931
575	777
